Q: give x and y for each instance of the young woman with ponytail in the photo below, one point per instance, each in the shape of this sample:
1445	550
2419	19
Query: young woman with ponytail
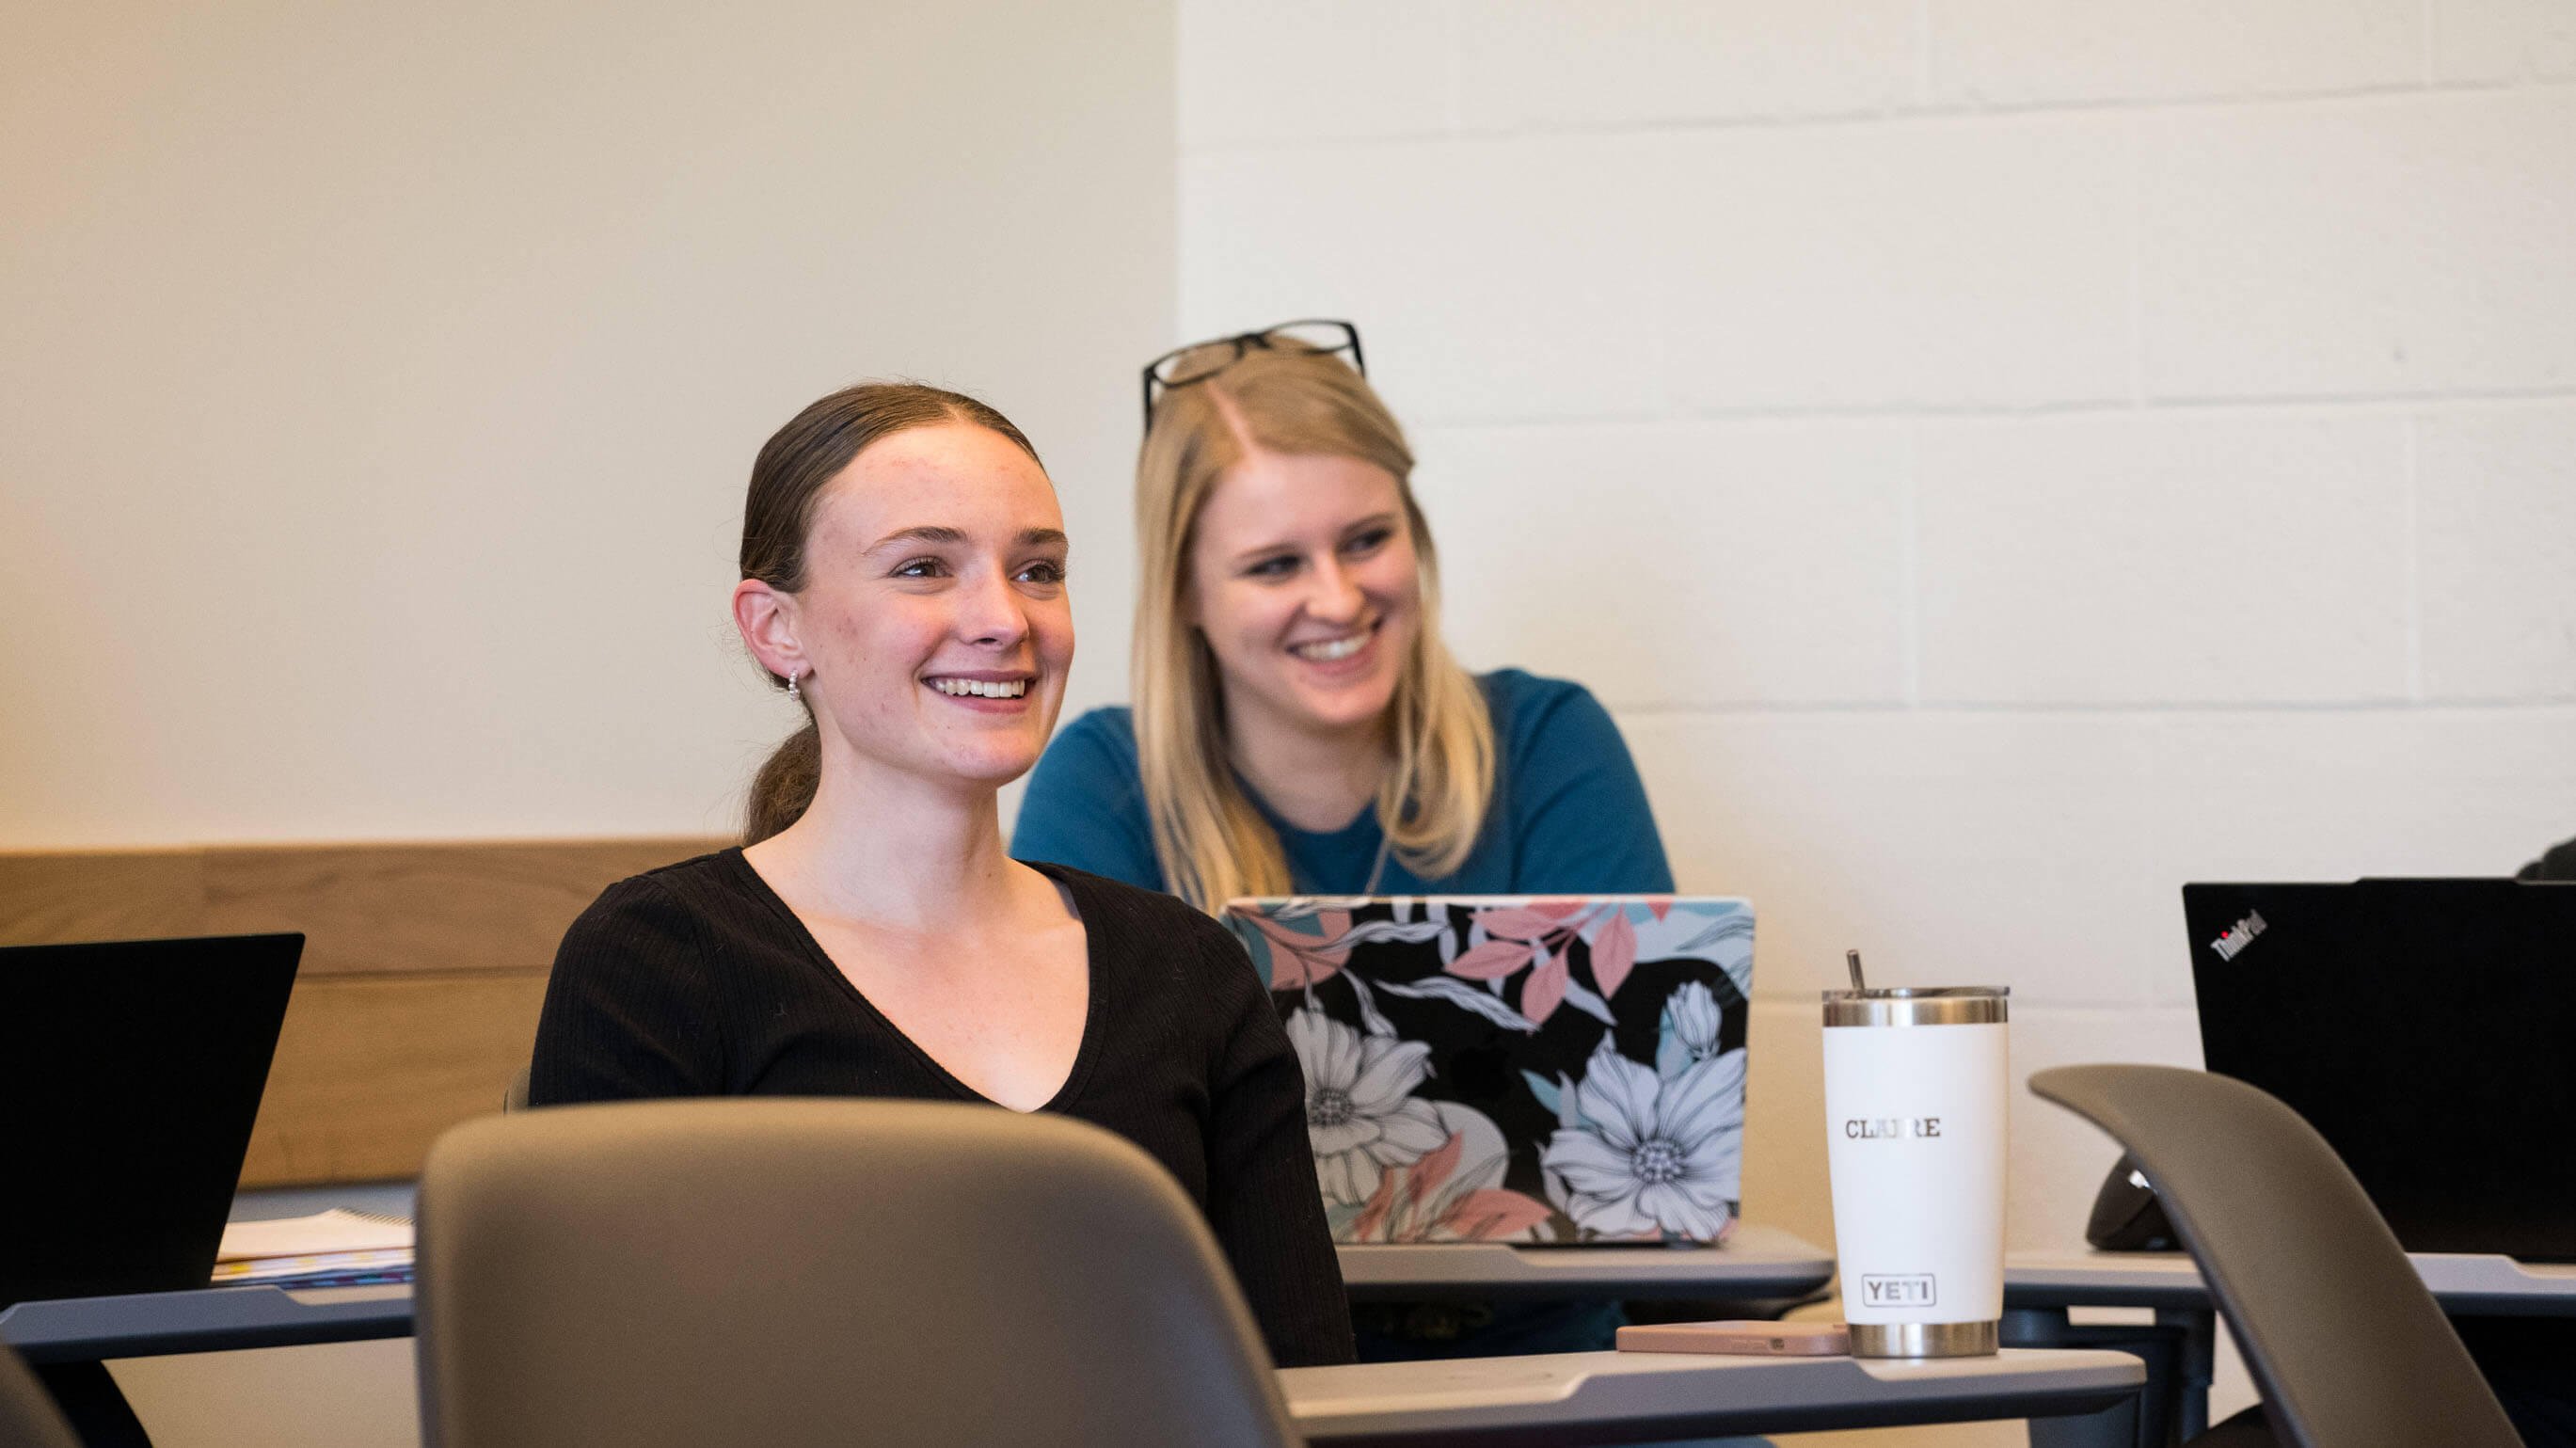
903	580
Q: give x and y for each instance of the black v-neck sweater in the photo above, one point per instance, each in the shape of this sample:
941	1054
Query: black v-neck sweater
697	980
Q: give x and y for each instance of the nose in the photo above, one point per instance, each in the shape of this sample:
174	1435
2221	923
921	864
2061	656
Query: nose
991	615
1336	597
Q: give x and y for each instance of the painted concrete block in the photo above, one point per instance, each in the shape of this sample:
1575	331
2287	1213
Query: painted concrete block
1677	564
2031	52
1252	72
2340	794
2496	539
1527	64
1491	279
2407	245
2163	559
1993	848
2059	1158
1785	1182
2503	40
1957	263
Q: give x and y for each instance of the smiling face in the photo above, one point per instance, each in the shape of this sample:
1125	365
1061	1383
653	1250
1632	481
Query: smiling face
933	633
1303	578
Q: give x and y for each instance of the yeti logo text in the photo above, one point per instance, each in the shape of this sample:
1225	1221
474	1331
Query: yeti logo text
2239	936
1910	1291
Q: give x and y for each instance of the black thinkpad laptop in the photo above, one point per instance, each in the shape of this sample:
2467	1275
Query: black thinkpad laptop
129	1077
2425	1028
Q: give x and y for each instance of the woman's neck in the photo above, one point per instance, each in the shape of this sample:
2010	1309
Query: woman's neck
1317	780
892	850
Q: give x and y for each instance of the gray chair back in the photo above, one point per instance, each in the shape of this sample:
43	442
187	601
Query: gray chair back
28	1417
808	1272
2347	1347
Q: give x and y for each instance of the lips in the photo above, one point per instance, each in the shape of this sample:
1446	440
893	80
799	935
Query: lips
1334	650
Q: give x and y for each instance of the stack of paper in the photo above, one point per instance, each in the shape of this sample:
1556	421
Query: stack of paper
337	1230
338	1246
342	1268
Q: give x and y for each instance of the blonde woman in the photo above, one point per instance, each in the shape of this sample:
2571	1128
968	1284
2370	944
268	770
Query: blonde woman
1298	726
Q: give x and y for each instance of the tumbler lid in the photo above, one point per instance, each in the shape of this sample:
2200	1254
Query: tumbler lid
1914	1005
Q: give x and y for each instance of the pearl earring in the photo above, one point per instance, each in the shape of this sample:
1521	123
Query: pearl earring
792	677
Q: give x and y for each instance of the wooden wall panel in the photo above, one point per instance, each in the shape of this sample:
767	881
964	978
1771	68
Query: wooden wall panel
371	1068
70	896
400	907
423	907
423	968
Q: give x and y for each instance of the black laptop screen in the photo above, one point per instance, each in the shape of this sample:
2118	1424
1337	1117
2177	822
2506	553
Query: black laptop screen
2425	1028
130	1074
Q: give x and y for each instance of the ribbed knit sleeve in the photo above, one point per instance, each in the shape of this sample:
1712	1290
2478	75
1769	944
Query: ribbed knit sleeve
629	1010
1263	1201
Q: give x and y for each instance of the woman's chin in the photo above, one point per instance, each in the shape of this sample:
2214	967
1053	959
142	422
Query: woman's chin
991	768
1363	702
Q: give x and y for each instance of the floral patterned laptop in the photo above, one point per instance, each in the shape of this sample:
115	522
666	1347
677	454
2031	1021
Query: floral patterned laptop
1516	1068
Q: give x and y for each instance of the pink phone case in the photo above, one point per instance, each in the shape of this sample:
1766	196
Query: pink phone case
1752	1339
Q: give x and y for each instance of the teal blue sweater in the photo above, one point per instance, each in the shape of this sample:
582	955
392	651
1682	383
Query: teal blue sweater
1569	815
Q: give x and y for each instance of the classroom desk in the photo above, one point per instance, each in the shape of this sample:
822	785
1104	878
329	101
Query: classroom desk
1760	1263
2075	1399
2040	1287
70	1340
215	1319
1756	1264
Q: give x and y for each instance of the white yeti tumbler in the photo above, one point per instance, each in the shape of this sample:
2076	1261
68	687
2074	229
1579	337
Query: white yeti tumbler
1915	1084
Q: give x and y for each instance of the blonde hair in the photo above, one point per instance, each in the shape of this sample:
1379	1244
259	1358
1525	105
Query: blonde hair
1212	842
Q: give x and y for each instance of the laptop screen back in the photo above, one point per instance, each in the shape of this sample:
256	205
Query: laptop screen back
2425	1028
130	1074
1514	1068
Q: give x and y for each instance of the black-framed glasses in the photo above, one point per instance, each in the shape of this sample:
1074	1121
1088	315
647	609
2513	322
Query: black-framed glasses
1200	361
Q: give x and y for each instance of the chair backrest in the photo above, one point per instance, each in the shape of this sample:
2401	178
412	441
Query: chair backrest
793	1272
28	1417
2347	1347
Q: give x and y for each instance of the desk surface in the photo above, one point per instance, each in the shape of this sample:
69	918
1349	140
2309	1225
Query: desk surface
1615	1397
1558	1398
218	1319
1757	1262
2464	1283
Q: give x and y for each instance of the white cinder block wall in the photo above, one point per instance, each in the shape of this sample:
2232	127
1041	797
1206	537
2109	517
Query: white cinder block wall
1999	459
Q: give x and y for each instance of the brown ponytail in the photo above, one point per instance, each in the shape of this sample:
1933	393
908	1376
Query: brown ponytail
785	785
787	481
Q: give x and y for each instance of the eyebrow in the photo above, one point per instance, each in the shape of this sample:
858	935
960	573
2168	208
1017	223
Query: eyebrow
936	533
1266	549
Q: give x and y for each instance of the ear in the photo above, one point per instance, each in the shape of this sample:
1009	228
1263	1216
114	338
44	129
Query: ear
766	618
